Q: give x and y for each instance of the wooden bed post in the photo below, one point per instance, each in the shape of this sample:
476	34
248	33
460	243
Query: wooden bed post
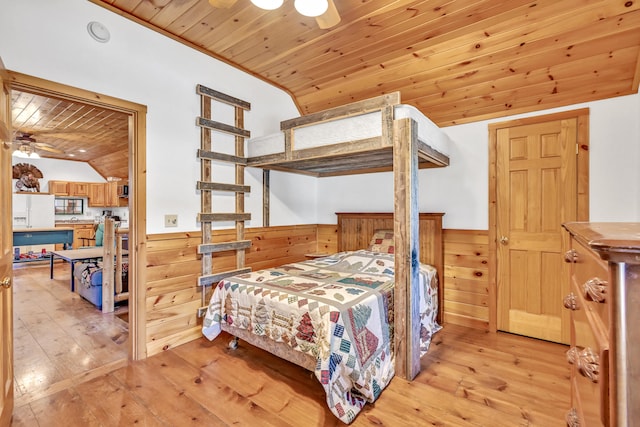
407	249
108	268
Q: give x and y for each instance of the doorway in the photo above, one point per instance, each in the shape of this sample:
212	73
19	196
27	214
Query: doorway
538	180
136	114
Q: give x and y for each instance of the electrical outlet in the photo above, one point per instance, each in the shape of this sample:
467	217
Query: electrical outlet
171	220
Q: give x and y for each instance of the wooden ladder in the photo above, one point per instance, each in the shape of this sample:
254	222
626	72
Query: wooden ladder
207	216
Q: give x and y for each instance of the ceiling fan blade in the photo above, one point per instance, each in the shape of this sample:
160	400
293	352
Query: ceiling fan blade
330	18
225	4
47	147
57	131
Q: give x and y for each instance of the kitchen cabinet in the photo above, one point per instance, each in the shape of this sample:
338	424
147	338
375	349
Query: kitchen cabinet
104	194
82	234
59	188
97	194
79	189
69	188
111	194
123	193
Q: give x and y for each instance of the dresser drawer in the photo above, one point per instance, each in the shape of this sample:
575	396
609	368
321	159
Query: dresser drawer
591	276
589	355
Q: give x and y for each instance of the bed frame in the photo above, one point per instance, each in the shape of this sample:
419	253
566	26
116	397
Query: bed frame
349	157
113	244
354	233
397	149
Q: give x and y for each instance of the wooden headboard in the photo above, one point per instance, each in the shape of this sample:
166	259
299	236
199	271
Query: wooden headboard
355	231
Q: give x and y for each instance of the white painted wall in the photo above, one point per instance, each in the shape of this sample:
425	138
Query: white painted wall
48	39
61	170
67	170
461	190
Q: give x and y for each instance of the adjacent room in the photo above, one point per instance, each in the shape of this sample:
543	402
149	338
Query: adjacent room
320	212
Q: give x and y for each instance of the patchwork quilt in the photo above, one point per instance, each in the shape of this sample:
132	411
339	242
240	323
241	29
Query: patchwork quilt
336	309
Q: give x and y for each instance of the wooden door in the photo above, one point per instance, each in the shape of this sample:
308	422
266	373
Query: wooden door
536	174
6	263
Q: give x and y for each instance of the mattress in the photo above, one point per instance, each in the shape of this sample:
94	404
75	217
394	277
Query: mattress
336	309
353	128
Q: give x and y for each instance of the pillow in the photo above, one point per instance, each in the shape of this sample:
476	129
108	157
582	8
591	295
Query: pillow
382	241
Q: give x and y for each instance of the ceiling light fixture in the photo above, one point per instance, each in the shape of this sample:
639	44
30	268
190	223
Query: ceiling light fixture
268	4
25	152
325	12
311	8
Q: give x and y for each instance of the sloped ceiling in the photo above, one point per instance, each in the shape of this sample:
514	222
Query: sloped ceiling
457	61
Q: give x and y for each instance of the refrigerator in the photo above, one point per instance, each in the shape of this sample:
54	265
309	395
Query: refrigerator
34	210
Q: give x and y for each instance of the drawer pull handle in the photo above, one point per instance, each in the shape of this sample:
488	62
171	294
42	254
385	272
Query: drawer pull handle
587	362
572	418
571	256
595	289
570	302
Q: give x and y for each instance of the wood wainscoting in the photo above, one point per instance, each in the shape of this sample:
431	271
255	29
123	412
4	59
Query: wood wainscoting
173	266
466	278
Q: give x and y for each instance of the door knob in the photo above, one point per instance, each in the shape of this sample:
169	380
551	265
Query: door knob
6	282
504	240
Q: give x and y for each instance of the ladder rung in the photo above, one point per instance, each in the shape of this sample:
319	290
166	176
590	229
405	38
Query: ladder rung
219	96
211	217
221	186
202	311
211	279
209	248
212	155
210	124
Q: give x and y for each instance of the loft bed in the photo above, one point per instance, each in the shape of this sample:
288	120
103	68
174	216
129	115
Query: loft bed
373	135
387	136
351	139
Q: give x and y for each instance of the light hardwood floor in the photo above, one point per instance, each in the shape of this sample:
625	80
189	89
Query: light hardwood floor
59	338
468	378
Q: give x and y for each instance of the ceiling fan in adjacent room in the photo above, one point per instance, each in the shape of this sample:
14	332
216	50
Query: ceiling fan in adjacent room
324	11
25	146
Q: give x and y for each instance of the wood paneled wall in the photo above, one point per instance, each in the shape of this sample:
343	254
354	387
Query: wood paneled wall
466	278
173	266
172	297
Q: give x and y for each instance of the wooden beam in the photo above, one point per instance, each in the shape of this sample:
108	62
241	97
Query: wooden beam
266	201
348	110
230	216
407	256
222	127
208	248
219	96
211	155
212	279
222	186
108	271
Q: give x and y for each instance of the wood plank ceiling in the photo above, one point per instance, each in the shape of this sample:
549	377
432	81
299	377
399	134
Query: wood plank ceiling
457	61
76	131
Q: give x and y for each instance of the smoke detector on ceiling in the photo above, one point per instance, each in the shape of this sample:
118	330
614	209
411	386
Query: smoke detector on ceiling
98	31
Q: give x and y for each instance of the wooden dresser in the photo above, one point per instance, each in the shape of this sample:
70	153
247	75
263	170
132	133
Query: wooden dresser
605	323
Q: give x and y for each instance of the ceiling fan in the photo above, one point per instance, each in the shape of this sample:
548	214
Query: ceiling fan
25	146
329	18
